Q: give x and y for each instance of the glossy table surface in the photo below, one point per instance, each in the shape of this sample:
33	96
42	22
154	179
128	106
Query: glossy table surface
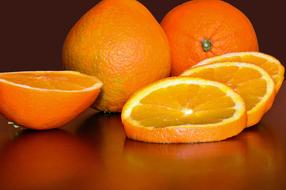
92	152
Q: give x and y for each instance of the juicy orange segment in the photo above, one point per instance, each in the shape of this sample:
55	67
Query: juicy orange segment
251	82
182	110
270	64
46	99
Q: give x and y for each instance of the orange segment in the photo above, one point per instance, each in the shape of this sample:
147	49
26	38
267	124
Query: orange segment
251	82
270	64
183	110
46	99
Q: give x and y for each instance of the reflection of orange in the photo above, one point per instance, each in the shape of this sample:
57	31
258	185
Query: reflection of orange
181	152
136	165
262	154
263	162
242	161
107	134
200	29
46	99
246	145
193	164
5	128
180	157
45	160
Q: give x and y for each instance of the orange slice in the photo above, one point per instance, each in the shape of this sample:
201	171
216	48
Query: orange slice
184	110
251	82
46	99
270	64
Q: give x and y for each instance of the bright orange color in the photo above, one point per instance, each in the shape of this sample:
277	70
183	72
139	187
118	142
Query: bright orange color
251	82
184	110
270	64
46	99
200	29
122	44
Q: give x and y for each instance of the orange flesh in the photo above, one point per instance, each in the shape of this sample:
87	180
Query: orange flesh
182	105
50	81
54	97
246	82
262	62
270	64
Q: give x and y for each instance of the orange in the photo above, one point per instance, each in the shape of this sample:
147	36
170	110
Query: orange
46	99
122	44
251	82
183	110
200	29
270	64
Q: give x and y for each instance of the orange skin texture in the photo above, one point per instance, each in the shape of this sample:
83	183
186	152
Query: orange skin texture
40	109
224	26
122	44
45	110
183	135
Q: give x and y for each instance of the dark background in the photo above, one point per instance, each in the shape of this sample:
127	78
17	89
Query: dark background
32	31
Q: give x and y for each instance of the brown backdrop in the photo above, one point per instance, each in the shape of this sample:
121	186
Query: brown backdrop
32	31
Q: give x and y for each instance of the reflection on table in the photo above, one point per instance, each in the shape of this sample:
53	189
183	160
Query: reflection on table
95	154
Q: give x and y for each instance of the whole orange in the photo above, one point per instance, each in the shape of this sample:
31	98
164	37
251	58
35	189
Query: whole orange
200	29
121	43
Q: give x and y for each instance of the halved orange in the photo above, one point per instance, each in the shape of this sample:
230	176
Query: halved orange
251	82
269	63
184	110
46	99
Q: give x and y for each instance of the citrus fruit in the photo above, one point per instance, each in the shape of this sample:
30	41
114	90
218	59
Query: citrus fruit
122	44
183	110
270	64
200	29
251	82
46	99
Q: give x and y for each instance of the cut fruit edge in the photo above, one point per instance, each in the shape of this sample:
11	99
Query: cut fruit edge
267	100
184	133
243	55
97	83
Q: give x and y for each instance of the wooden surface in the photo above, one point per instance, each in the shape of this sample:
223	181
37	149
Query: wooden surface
93	153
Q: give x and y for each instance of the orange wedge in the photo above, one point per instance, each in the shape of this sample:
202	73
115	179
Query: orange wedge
270	64
251	82
46	99
184	110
